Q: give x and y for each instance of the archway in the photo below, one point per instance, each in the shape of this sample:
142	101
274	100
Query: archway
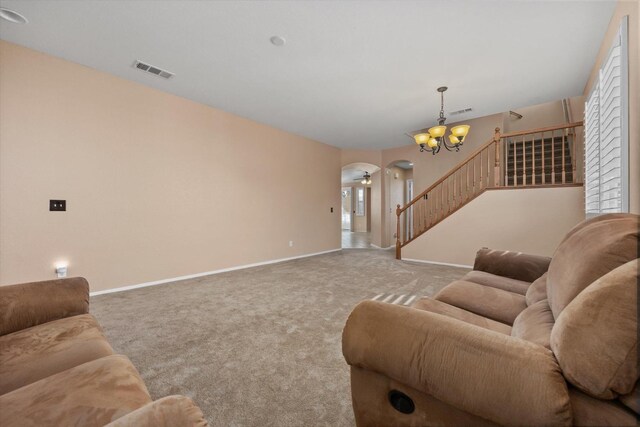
360	185
398	191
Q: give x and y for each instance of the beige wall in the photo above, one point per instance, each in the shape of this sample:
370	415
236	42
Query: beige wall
532	221
157	186
543	115
631	9
373	157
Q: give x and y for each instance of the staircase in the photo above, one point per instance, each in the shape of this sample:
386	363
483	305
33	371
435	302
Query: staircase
534	158
539	161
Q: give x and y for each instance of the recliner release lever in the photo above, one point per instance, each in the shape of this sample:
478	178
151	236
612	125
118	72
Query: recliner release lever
401	402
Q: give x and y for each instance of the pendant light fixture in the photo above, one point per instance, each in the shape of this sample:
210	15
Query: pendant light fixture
435	139
366	179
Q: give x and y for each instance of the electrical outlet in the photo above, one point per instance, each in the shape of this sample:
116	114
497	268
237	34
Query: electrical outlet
290	243
331	210
57	205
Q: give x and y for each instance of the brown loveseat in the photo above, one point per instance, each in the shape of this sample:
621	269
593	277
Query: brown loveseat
520	340
57	368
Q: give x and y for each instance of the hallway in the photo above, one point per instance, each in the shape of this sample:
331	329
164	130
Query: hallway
356	240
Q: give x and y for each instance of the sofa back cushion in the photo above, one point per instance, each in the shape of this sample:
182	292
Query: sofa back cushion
589	253
534	324
29	304
592	220
595	338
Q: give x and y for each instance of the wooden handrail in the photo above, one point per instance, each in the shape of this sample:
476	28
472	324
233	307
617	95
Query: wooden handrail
539	130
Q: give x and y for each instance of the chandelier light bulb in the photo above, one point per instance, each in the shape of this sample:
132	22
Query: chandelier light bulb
421	138
437	131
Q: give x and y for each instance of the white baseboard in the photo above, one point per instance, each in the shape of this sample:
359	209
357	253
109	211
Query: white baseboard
208	273
437	263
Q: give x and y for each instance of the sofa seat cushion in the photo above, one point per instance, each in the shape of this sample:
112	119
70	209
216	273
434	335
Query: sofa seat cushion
534	324
439	307
92	394
497	304
35	353
495	281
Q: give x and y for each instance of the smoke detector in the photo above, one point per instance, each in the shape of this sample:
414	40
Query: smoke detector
143	66
278	41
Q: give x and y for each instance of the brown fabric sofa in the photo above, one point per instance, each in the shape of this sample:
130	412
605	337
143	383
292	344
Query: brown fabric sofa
520	340
57	368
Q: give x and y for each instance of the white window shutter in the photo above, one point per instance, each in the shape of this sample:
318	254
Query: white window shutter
606	134
592	153
610	134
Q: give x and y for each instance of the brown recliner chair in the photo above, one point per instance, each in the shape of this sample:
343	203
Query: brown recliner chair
495	349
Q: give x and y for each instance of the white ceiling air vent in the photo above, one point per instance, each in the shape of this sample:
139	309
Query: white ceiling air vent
153	70
465	110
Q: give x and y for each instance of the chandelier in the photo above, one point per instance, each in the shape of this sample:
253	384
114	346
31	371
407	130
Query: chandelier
434	139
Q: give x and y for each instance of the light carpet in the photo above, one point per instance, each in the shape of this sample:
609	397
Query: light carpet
260	346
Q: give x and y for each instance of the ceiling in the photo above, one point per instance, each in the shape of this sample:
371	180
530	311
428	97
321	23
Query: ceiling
353	74
404	164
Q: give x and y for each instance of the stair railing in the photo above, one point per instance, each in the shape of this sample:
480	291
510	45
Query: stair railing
526	159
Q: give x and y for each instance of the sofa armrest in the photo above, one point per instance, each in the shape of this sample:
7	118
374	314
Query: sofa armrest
170	411
515	265
485	373
29	304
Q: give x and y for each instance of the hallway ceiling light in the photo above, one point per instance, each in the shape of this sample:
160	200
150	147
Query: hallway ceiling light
435	139
366	179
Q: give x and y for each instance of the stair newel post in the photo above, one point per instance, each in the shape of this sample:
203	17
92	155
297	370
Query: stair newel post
398	243
496	168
